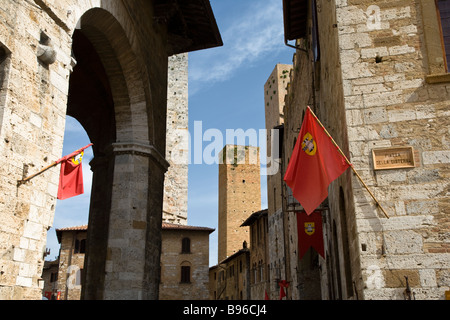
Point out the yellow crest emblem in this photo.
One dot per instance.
(310, 228)
(309, 144)
(78, 158)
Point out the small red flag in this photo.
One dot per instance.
(266, 296)
(314, 164)
(283, 284)
(71, 175)
(310, 234)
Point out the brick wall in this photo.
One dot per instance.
(239, 196)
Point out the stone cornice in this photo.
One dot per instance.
(141, 149)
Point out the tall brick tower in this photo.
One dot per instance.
(239, 196)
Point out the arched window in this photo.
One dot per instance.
(186, 245)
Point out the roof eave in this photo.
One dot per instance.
(295, 13)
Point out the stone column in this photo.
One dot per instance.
(97, 237)
(128, 238)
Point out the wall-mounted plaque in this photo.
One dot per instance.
(393, 158)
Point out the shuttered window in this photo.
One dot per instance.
(443, 7)
(185, 274)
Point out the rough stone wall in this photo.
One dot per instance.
(70, 265)
(177, 153)
(239, 196)
(230, 280)
(33, 104)
(35, 62)
(393, 98)
(259, 259)
(379, 83)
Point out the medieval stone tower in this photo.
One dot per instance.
(176, 178)
(239, 196)
(275, 90)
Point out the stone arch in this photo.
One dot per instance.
(109, 94)
(131, 99)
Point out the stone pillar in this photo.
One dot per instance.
(100, 207)
(123, 260)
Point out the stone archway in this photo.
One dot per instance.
(110, 96)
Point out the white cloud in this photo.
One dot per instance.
(257, 33)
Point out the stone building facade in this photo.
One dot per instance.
(184, 264)
(104, 63)
(229, 280)
(70, 263)
(259, 279)
(375, 74)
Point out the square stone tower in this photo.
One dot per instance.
(275, 90)
(177, 143)
(239, 196)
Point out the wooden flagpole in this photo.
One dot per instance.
(350, 164)
(25, 180)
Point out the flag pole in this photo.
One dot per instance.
(349, 163)
(25, 180)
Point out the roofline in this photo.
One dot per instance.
(172, 226)
(234, 255)
(254, 216)
(165, 226)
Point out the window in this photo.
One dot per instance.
(435, 25)
(186, 245)
(80, 246)
(185, 274)
(53, 276)
(443, 8)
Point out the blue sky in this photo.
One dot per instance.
(226, 91)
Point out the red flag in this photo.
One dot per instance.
(310, 234)
(314, 164)
(71, 175)
(266, 296)
(283, 284)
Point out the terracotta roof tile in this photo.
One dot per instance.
(171, 226)
(78, 228)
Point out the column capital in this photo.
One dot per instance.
(141, 149)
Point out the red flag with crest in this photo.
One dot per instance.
(314, 164)
(310, 234)
(71, 174)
